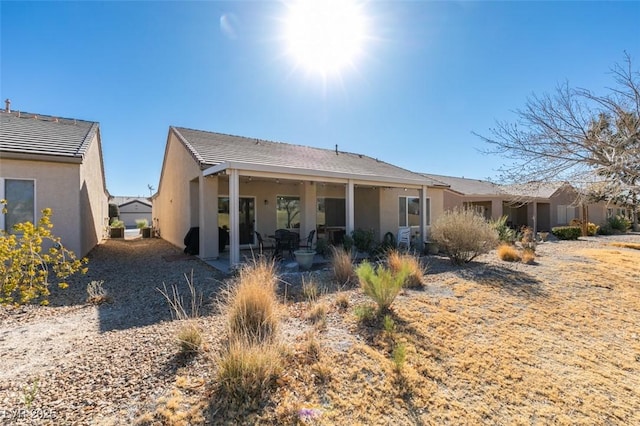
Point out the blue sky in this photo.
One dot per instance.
(431, 73)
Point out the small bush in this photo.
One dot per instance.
(566, 232)
(189, 337)
(528, 256)
(526, 238)
(505, 234)
(381, 284)
(142, 223)
(399, 356)
(117, 223)
(247, 371)
(592, 228)
(363, 239)
(619, 223)
(365, 313)
(97, 295)
(322, 247)
(464, 234)
(25, 266)
(606, 229)
(388, 324)
(342, 266)
(397, 261)
(508, 253)
(253, 308)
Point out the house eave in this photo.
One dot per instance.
(267, 170)
(40, 157)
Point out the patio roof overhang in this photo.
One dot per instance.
(284, 172)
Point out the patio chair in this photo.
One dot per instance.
(404, 237)
(261, 245)
(309, 241)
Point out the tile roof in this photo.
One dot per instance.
(468, 186)
(121, 200)
(535, 189)
(27, 133)
(211, 149)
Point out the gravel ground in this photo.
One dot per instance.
(76, 363)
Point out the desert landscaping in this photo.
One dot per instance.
(554, 341)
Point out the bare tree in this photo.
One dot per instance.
(574, 134)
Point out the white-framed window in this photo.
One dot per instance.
(287, 212)
(409, 211)
(21, 202)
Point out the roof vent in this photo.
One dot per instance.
(336, 149)
(7, 105)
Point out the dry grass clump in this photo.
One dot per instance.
(309, 289)
(189, 337)
(464, 234)
(342, 300)
(252, 304)
(342, 265)
(508, 253)
(635, 246)
(397, 261)
(246, 371)
(528, 256)
(318, 314)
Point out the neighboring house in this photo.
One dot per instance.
(132, 209)
(552, 204)
(54, 162)
(212, 180)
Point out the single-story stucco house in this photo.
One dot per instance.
(213, 180)
(133, 208)
(54, 162)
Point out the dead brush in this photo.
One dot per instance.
(342, 265)
(176, 301)
(402, 261)
(253, 309)
(189, 338)
(97, 295)
(318, 315)
(508, 253)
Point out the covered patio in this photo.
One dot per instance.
(249, 197)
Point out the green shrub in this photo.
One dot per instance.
(142, 223)
(567, 232)
(381, 284)
(592, 228)
(25, 267)
(322, 247)
(117, 223)
(363, 239)
(347, 243)
(365, 313)
(505, 234)
(619, 223)
(606, 229)
(464, 234)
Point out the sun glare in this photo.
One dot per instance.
(325, 36)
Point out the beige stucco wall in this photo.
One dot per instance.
(56, 187)
(93, 200)
(172, 206)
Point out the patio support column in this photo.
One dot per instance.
(234, 217)
(423, 217)
(496, 209)
(350, 210)
(208, 217)
(308, 209)
(535, 220)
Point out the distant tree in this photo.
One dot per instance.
(576, 135)
(114, 211)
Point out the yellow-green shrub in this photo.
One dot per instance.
(381, 284)
(25, 267)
